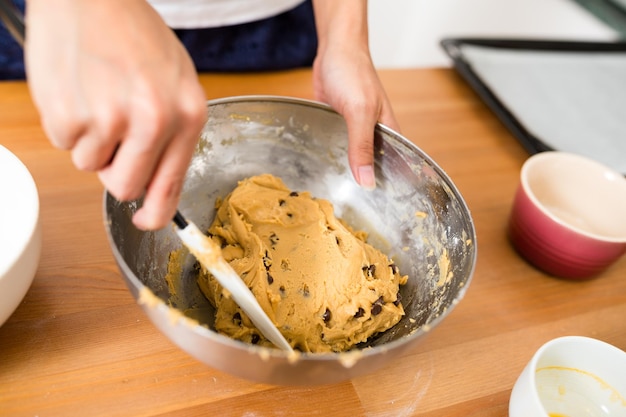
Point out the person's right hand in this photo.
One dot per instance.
(114, 86)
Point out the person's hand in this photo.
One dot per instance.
(114, 86)
(345, 78)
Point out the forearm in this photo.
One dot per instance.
(342, 21)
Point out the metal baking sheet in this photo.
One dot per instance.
(552, 95)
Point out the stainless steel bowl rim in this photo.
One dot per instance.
(204, 331)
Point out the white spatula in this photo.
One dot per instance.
(210, 256)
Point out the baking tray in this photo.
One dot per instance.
(551, 94)
(611, 12)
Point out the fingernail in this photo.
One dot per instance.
(144, 220)
(139, 219)
(366, 177)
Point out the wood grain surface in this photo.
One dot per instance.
(78, 345)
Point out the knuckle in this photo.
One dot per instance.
(153, 122)
(148, 113)
(122, 191)
(109, 123)
(120, 186)
(81, 162)
(192, 107)
(62, 128)
(195, 116)
(169, 190)
(367, 106)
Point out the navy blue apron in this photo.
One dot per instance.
(11, 54)
(288, 40)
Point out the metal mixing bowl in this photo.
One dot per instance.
(415, 215)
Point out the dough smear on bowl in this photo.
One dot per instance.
(317, 279)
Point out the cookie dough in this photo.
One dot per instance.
(320, 282)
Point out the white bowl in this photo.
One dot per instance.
(20, 232)
(572, 376)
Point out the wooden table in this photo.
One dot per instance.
(78, 345)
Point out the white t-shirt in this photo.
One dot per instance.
(193, 14)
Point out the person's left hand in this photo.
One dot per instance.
(345, 78)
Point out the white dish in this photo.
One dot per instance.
(572, 376)
(20, 232)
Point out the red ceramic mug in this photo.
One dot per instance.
(569, 215)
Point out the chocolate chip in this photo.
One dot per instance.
(237, 319)
(270, 279)
(337, 240)
(293, 194)
(281, 202)
(370, 270)
(377, 307)
(274, 239)
(305, 290)
(255, 339)
(326, 316)
(398, 300)
(290, 215)
(267, 261)
(282, 289)
(394, 268)
(359, 313)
